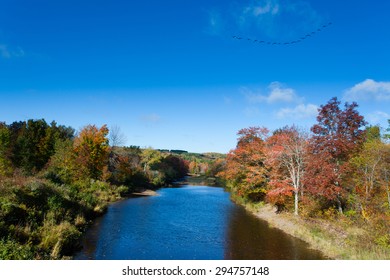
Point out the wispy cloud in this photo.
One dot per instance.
(277, 93)
(260, 8)
(301, 111)
(377, 117)
(266, 19)
(369, 90)
(151, 118)
(216, 24)
(6, 52)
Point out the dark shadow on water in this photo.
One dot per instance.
(249, 238)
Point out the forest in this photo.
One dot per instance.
(54, 181)
(337, 173)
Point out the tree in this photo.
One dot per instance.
(386, 136)
(336, 138)
(385, 170)
(150, 159)
(117, 138)
(286, 158)
(62, 167)
(173, 168)
(91, 150)
(216, 167)
(5, 144)
(33, 143)
(245, 169)
(367, 164)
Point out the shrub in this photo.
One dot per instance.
(12, 250)
(59, 239)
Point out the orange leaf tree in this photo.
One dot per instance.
(245, 171)
(91, 149)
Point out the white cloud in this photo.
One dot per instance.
(151, 118)
(6, 52)
(262, 7)
(216, 23)
(369, 89)
(301, 111)
(377, 117)
(278, 93)
(264, 19)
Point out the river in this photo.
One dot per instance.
(187, 223)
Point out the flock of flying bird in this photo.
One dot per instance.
(307, 36)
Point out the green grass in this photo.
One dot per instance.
(43, 220)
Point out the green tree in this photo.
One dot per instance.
(387, 134)
(33, 143)
(5, 144)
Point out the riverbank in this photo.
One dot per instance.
(145, 193)
(200, 180)
(336, 239)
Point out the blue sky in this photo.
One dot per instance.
(171, 75)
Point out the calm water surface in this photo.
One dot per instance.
(187, 223)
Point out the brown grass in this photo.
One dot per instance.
(336, 239)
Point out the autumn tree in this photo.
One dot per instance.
(286, 159)
(126, 168)
(245, 170)
(5, 144)
(216, 167)
(150, 158)
(368, 162)
(385, 173)
(370, 172)
(386, 136)
(336, 138)
(91, 151)
(116, 137)
(173, 168)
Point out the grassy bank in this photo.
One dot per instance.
(43, 220)
(336, 238)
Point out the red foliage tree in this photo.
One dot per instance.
(336, 138)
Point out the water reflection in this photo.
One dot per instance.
(188, 223)
(249, 238)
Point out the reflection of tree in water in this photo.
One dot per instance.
(249, 238)
(187, 223)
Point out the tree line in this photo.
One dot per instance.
(54, 181)
(340, 168)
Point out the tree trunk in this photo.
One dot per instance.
(387, 187)
(296, 202)
(339, 205)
